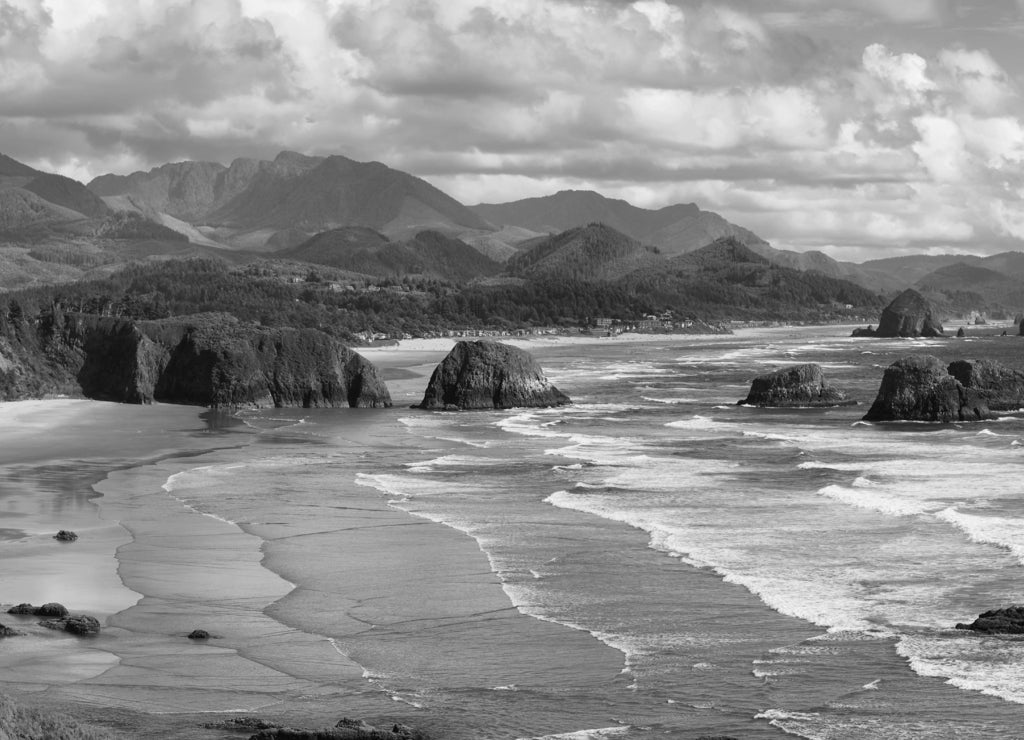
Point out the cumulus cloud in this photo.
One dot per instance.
(792, 117)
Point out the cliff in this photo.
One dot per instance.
(489, 375)
(923, 389)
(209, 360)
(800, 385)
(909, 315)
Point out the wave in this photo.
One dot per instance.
(696, 422)
(1003, 532)
(860, 496)
(584, 734)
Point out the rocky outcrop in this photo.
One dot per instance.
(65, 535)
(199, 635)
(346, 729)
(924, 389)
(52, 609)
(76, 624)
(910, 315)
(1001, 388)
(1006, 621)
(208, 360)
(960, 332)
(6, 631)
(489, 375)
(800, 385)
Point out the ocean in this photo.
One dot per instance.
(652, 561)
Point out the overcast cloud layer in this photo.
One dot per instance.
(866, 128)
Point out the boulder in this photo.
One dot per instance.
(909, 315)
(960, 332)
(1006, 621)
(76, 624)
(921, 388)
(800, 385)
(868, 331)
(1020, 325)
(489, 375)
(65, 535)
(6, 631)
(53, 609)
(199, 635)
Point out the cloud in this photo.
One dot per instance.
(791, 117)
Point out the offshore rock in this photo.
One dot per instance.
(6, 631)
(960, 332)
(1007, 621)
(922, 389)
(199, 635)
(65, 535)
(1001, 388)
(346, 729)
(800, 385)
(489, 375)
(909, 315)
(207, 360)
(53, 609)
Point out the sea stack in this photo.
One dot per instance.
(910, 315)
(488, 375)
(800, 385)
(923, 389)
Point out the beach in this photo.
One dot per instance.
(652, 561)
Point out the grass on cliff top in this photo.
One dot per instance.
(18, 722)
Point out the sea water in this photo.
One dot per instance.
(652, 561)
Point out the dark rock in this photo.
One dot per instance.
(867, 332)
(1001, 388)
(1020, 325)
(199, 635)
(800, 385)
(240, 724)
(1003, 334)
(909, 315)
(209, 360)
(76, 624)
(65, 535)
(489, 375)
(6, 631)
(1007, 621)
(362, 732)
(53, 609)
(922, 389)
(960, 332)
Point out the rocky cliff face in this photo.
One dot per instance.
(924, 389)
(489, 375)
(1001, 388)
(210, 360)
(910, 315)
(800, 385)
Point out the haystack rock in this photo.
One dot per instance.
(489, 375)
(800, 385)
(910, 315)
(922, 389)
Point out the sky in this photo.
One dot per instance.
(863, 128)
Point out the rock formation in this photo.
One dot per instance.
(346, 729)
(208, 360)
(960, 332)
(800, 385)
(6, 631)
(923, 389)
(1007, 621)
(199, 635)
(1001, 388)
(76, 624)
(53, 609)
(65, 535)
(489, 375)
(909, 315)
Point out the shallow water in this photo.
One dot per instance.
(652, 561)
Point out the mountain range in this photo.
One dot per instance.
(367, 218)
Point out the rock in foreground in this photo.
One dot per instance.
(923, 389)
(909, 315)
(1007, 621)
(76, 624)
(800, 385)
(346, 729)
(489, 375)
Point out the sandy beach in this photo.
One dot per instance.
(152, 565)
